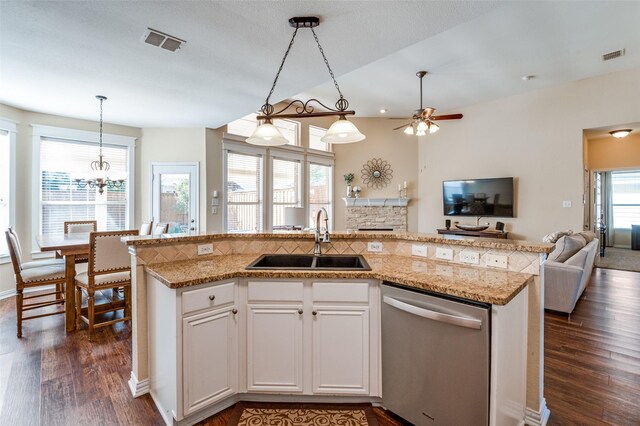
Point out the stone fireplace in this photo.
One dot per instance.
(377, 213)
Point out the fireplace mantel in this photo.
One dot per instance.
(376, 202)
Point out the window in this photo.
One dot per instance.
(315, 133)
(247, 124)
(320, 191)
(7, 180)
(286, 184)
(60, 156)
(626, 198)
(244, 200)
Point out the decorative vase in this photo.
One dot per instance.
(349, 191)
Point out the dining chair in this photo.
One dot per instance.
(146, 228)
(80, 227)
(31, 275)
(161, 228)
(109, 268)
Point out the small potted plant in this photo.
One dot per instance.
(348, 178)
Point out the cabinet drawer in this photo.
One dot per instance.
(278, 291)
(340, 292)
(208, 297)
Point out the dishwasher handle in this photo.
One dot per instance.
(433, 315)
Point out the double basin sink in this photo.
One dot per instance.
(310, 262)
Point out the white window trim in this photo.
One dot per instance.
(38, 133)
(11, 127)
(323, 159)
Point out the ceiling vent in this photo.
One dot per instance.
(163, 40)
(613, 55)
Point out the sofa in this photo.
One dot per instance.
(567, 270)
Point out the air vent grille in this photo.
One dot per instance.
(162, 40)
(613, 55)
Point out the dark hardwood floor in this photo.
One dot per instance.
(592, 366)
(592, 357)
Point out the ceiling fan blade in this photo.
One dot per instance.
(447, 117)
(404, 125)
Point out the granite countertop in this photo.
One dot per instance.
(491, 243)
(480, 284)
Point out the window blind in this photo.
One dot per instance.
(285, 178)
(61, 162)
(626, 198)
(320, 184)
(243, 174)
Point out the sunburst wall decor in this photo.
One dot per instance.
(376, 173)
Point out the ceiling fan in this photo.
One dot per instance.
(423, 118)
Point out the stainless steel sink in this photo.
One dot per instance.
(310, 262)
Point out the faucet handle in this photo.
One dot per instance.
(326, 238)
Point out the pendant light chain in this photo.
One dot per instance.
(275, 81)
(101, 100)
(335, 83)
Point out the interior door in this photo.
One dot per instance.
(174, 196)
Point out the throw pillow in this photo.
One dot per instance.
(555, 236)
(567, 246)
(587, 235)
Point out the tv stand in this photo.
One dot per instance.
(487, 233)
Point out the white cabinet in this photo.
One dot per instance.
(209, 357)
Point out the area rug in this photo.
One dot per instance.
(263, 414)
(619, 258)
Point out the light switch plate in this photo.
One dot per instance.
(471, 257)
(418, 250)
(497, 261)
(205, 249)
(374, 247)
(444, 253)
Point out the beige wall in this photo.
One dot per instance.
(24, 121)
(610, 153)
(169, 145)
(398, 149)
(214, 178)
(535, 137)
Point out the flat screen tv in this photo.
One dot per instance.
(478, 197)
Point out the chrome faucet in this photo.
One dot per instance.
(325, 238)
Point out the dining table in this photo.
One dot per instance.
(70, 246)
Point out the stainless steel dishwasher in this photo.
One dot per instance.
(435, 358)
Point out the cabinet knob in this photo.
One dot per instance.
(234, 311)
(314, 313)
(212, 297)
(300, 311)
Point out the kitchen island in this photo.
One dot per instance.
(165, 268)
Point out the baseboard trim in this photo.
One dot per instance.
(10, 293)
(538, 417)
(138, 387)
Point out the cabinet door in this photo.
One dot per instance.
(209, 357)
(341, 350)
(274, 348)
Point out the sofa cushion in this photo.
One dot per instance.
(587, 235)
(566, 247)
(555, 236)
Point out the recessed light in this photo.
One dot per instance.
(383, 111)
(620, 133)
(528, 77)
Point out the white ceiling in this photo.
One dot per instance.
(55, 56)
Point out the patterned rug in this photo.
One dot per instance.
(268, 414)
(619, 258)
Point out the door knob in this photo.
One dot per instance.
(314, 313)
(300, 311)
(234, 311)
(212, 297)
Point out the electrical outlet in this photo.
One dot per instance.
(205, 249)
(497, 261)
(469, 257)
(566, 203)
(417, 250)
(374, 247)
(444, 253)
(214, 210)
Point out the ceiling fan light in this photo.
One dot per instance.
(267, 134)
(621, 133)
(408, 130)
(433, 127)
(422, 126)
(421, 133)
(342, 131)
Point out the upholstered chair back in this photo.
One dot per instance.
(80, 226)
(161, 228)
(146, 227)
(108, 253)
(15, 251)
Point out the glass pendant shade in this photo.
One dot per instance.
(433, 127)
(421, 133)
(408, 130)
(267, 134)
(342, 131)
(422, 126)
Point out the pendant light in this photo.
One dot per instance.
(342, 131)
